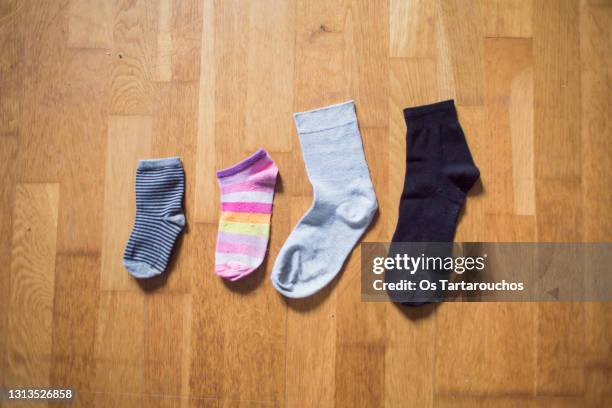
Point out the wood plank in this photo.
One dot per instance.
(11, 70)
(560, 359)
(264, 378)
(129, 139)
(82, 143)
(63, 86)
(596, 63)
(205, 209)
(168, 333)
(360, 341)
(11, 100)
(119, 345)
(444, 57)
(599, 2)
(223, 342)
(363, 363)
(599, 388)
(595, 38)
(117, 400)
(508, 18)
(557, 102)
(496, 353)
(558, 200)
(509, 120)
(510, 228)
(133, 55)
(292, 172)
(8, 149)
(521, 128)
(243, 404)
(44, 52)
(75, 310)
(207, 333)
(412, 29)
(397, 143)
(186, 27)
(269, 76)
(367, 39)
(320, 75)
(162, 67)
(90, 24)
(463, 31)
(509, 402)
(311, 354)
(30, 316)
(413, 83)
(598, 322)
(231, 24)
(411, 336)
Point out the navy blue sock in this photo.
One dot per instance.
(160, 186)
(439, 173)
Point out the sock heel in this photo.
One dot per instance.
(463, 176)
(458, 165)
(358, 210)
(178, 219)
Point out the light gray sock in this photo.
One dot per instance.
(343, 207)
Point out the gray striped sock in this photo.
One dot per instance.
(160, 185)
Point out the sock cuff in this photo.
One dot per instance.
(327, 117)
(258, 161)
(150, 164)
(442, 112)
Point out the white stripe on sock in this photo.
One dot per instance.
(249, 197)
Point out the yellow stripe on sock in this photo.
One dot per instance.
(246, 228)
(253, 218)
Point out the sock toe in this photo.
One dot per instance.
(242, 275)
(233, 271)
(140, 270)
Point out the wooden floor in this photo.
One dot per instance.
(88, 87)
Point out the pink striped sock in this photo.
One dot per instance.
(247, 191)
